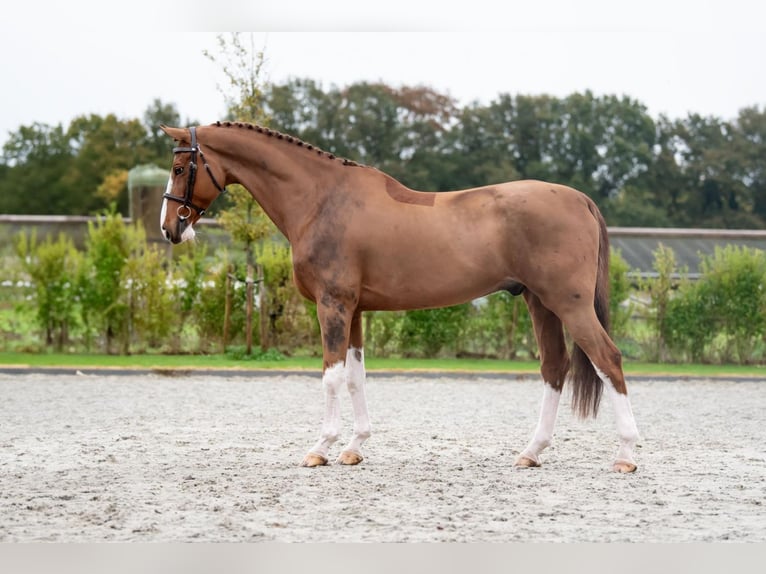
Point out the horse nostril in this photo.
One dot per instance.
(166, 233)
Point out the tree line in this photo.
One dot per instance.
(697, 171)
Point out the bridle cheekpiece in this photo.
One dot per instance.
(185, 209)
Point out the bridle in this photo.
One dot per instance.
(185, 209)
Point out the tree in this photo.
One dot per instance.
(398, 130)
(750, 142)
(35, 161)
(103, 146)
(243, 218)
(716, 185)
(480, 147)
(156, 141)
(78, 170)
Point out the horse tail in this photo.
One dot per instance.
(587, 386)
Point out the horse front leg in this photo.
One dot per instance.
(530, 456)
(335, 324)
(554, 364)
(356, 376)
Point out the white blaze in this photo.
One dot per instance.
(164, 209)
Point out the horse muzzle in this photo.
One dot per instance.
(183, 232)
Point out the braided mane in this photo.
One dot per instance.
(288, 138)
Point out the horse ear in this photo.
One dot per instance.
(175, 133)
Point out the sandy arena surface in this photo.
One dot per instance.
(208, 458)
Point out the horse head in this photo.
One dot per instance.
(191, 195)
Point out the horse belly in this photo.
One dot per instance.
(435, 280)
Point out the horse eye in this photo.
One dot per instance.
(179, 170)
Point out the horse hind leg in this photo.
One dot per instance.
(606, 361)
(554, 364)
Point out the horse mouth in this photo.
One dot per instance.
(174, 239)
(187, 233)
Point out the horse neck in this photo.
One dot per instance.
(286, 180)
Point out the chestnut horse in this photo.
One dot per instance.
(363, 241)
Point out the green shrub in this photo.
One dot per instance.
(687, 328)
(209, 311)
(660, 290)
(381, 332)
(52, 266)
(620, 309)
(500, 326)
(291, 323)
(732, 285)
(150, 303)
(426, 332)
(723, 312)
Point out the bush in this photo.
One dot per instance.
(101, 282)
(291, 322)
(52, 267)
(732, 285)
(728, 302)
(209, 310)
(381, 332)
(660, 291)
(500, 326)
(620, 309)
(426, 332)
(125, 295)
(151, 305)
(687, 328)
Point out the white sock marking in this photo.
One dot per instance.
(356, 376)
(332, 380)
(626, 422)
(544, 431)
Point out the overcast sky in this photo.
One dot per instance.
(706, 57)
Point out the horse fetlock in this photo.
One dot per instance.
(630, 439)
(329, 438)
(543, 442)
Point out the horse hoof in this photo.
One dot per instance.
(349, 457)
(526, 462)
(311, 460)
(624, 467)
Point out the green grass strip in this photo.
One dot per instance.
(151, 361)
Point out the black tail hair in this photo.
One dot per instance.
(587, 386)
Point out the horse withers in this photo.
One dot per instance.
(363, 241)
